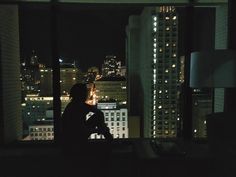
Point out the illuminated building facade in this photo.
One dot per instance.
(91, 75)
(41, 130)
(30, 75)
(111, 88)
(202, 106)
(69, 76)
(35, 108)
(154, 36)
(116, 118)
(111, 67)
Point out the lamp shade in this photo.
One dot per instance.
(215, 69)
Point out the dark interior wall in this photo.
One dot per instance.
(202, 26)
(10, 100)
(204, 29)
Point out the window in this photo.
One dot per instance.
(35, 67)
(164, 55)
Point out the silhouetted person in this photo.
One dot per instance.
(79, 121)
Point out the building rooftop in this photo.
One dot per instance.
(43, 122)
(112, 79)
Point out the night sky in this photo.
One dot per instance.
(85, 33)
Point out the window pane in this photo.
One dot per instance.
(92, 45)
(36, 71)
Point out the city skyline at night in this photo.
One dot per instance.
(85, 34)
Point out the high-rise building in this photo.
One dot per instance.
(201, 106)
(152, 43)
(91, 75)
(116, 118)
(69, 76)
(111, 88)
(30, 75)
(111, 66)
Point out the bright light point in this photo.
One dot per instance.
(155, 18)
(155, 29)
(166, 70)
(174, 18)
(204, 122)
(60, 81)
(160, 91)
(173, 66)
(155, 23)
(74, 78)
(195, 131)
(167, 44)
(60, 60)
(159, 107)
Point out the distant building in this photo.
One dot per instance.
(202, 106)
(111, 67)
(108, 88)
(30, 75)
(152, 63)
(41, 130)
(69, 76)
(122, 71)
(91, 75)
(116, 119)
(36, 108)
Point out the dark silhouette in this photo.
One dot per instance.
(79, 121)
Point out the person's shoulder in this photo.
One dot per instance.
(92, 107)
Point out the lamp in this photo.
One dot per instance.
(216, 69)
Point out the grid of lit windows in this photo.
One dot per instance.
(165, 75)
(116, 119)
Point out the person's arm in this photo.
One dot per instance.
(102, 127)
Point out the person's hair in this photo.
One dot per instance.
(79, 92)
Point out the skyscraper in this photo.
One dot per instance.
(111, 88)
(30, 75)
(152, 41)
(69, 76)
(111, 66)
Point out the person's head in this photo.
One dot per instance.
(78, 92)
